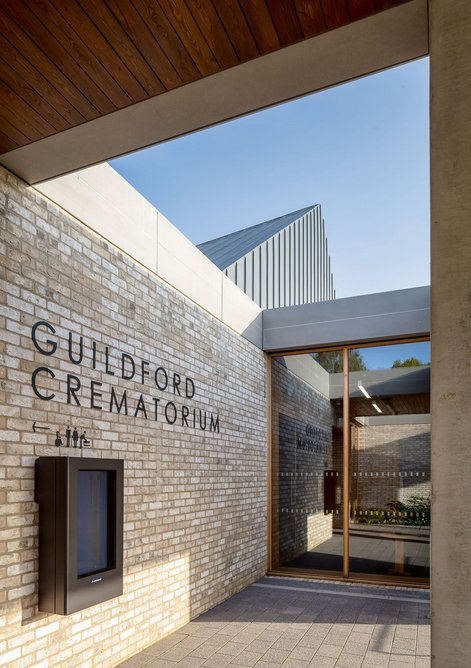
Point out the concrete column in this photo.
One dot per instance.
(450, 53)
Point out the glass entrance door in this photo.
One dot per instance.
(307, 464)
(380, 466)
(390, 458)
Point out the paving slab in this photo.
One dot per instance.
(296, 623)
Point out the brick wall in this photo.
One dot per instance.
(302, 421)
(390, 463)
(194, 455)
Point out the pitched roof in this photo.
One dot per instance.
(225, 250)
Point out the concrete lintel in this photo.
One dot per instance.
(398, 314)
(385, 39)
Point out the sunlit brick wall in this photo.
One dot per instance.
(195, 480)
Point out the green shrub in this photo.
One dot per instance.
(416, 512)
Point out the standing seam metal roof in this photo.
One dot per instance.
(226, 250)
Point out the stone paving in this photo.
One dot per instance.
(287, 623)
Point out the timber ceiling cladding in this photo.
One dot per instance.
(65, 62)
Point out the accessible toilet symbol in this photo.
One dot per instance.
(84, 441)
(71, 437)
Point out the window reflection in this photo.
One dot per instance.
(389, 481)
(390, 454)
(307, 462)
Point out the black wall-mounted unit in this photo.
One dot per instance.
(330, 488)
(80, 532)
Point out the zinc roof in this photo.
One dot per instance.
(226, 250)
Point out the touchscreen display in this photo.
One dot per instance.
(95, 521)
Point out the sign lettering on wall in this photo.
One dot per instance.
(313, 439)
(73, 388)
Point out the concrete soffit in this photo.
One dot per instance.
(388, 38)
(383, 316)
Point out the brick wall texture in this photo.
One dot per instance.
(194, 452)
(390, 463)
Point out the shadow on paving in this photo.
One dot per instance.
(333, 561)
(281, 622)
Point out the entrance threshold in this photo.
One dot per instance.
(354, 578)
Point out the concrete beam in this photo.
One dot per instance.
(383, 316)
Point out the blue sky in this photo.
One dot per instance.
(382, 357)
(361, 150)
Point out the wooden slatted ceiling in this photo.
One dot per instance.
(65, 62)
